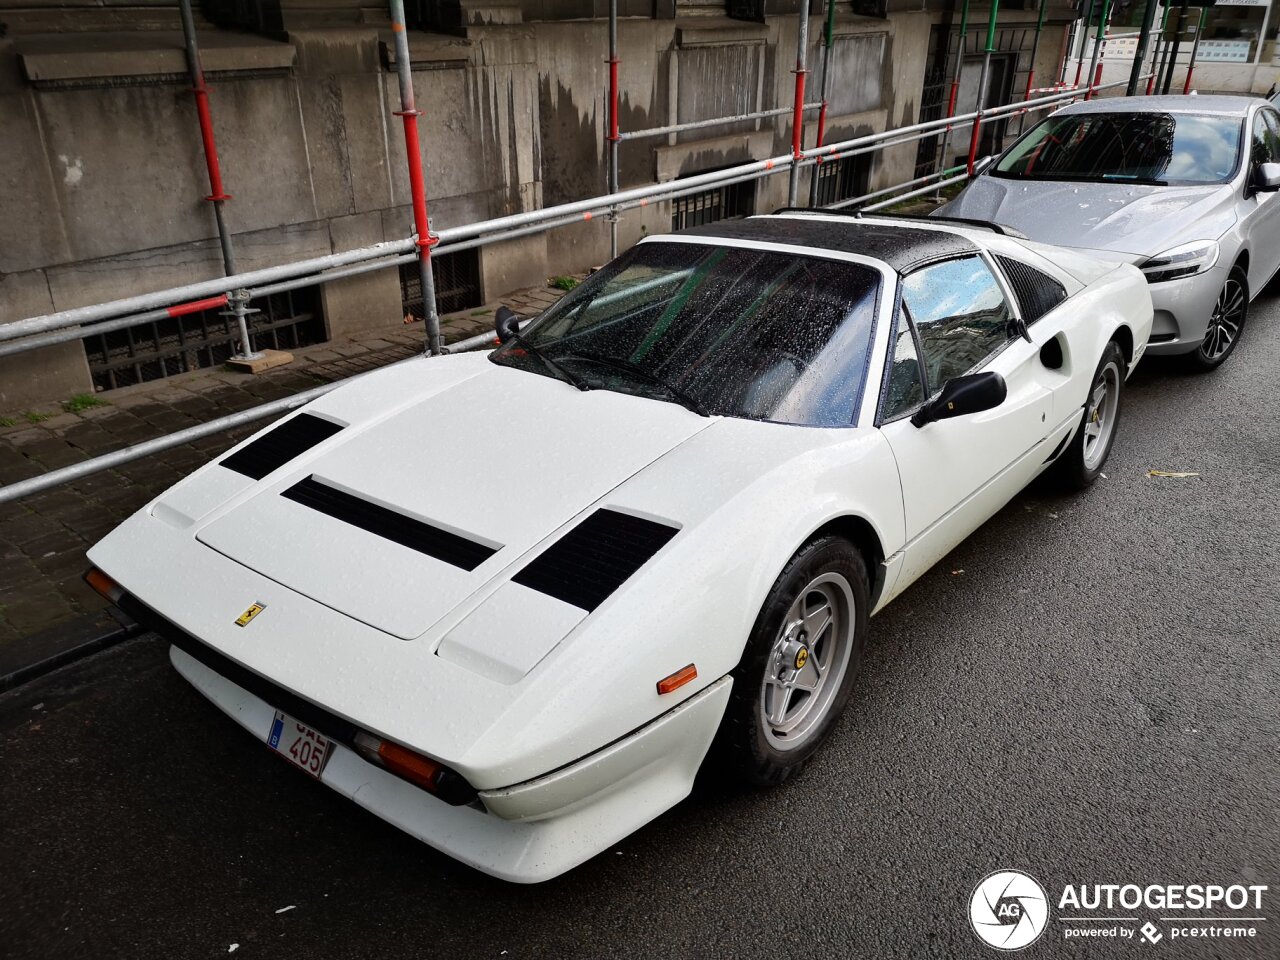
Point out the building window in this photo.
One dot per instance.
(457, 279)
(843, 179)
(722, 203)
(165, 348)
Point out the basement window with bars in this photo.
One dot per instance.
(843, 179)
(457, 279)
(722, 203)
(165, 348)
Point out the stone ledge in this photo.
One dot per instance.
(719, 31)
(60, 57)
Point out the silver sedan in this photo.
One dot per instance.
(1182, 187)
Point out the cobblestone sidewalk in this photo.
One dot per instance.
(43, 538)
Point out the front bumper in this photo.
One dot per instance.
(532, 831)
(1182, 311)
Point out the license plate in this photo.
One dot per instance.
(299, 744)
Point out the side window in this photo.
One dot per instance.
(906, 387)
(1265, 146)
(960, 315)
(1272, 120)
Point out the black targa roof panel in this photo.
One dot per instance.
(902, 248)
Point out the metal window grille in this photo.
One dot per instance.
(457, 278)
(933, 96)
(165, 348)
(843, 179)
(721, 203)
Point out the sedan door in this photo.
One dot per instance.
(1262, 208)
(955, 473)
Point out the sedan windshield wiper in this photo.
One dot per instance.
(570, 378)
(684, 399)
(1141, 181)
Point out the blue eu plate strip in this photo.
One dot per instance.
(277, 727)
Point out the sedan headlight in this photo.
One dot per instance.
(1185, 260)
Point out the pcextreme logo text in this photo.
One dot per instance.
(1010, 910)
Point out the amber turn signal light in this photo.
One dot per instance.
(677, 679)
(108, 588)
(421, 771)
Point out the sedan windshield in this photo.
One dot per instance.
(1149, 148)
(724, 330)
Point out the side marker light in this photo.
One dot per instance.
(677, 679)
(104, 585)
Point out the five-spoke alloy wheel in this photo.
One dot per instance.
(808, 660)
(800, 662)
(1082, 461)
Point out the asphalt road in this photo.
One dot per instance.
(1087, 690)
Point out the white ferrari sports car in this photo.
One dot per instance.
(506, 601)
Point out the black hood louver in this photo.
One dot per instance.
(279, 445)
(596, 557)
(390, 525)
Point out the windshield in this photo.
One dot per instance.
(1154, 148)
(724, 330)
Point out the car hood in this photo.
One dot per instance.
(500, 676)
(498, 459)
(1115, 217)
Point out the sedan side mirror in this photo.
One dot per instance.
(505, 324)
(963, 395)
(1266, 177)
(983, 164)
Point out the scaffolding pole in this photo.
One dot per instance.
(1144, 40)
(1195, 48)
(1161, 52)
(1173, 49)
(1084, 38)
(409, 113)
(955, 79)
(239, 303)
(613, 136)
(1070, 41)
(797, 114)
(825, 85)
(1095, 67)
(983, 78)
(1031, 66)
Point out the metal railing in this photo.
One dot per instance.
(66, 325)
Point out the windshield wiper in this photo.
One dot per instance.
(569, 378)
(1140, 181)
(684, 399)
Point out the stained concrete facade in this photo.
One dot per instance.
(102, 178)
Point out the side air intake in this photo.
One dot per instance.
(277, 447)
(596, 557)
(390, 525)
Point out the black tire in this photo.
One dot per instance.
(1227, 321)
(746, 745)
(1077, 468)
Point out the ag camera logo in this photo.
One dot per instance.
(1009, 910)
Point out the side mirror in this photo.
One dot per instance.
(982, 164)
(505, 323)
(961, 396)
(1266, 177)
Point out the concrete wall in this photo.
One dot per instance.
(102, 176)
